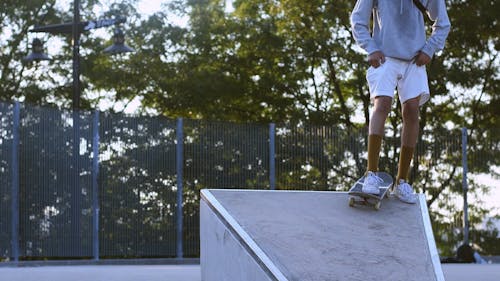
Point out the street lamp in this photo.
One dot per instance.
(76, 28)
(119, 45)
(37, 53)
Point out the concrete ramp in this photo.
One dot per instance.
(249, 235)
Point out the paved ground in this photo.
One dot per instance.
(471, 272)
(452, 272)
(102, 273)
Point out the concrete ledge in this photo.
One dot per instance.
(227, 252)
(313, 236)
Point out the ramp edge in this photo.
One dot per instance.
(245, 240)
(431, 243)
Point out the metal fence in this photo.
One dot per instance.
(128, 187)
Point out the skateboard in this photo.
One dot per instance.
(357, 197)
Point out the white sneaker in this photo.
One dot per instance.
(371, 183)
(404, 192)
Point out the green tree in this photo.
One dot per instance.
(17, 79)
(291, 62)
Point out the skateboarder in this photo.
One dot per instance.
(398, 51)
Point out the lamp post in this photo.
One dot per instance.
(76, 55)
(75, 28)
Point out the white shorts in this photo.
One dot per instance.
(409, 79)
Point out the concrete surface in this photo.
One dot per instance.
(222, 255)
(102, 273)
(316, 236)
(471, 272)
(452, 272)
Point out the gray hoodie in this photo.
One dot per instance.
(399, 28)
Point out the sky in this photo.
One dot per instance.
(149, 7)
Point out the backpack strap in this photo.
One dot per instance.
(420, 6)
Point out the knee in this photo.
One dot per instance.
(411, 111)
(382, 106)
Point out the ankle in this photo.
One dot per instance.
(399, 179)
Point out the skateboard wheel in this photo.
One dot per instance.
(377, 206)
(351, 202)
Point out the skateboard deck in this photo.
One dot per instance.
(358, 197)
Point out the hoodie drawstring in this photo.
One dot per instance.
(401, 9)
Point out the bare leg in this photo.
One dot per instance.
(382, 107)
(410, 112)
(409, 136)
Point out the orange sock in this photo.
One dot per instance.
(405, 157)
(374, 146)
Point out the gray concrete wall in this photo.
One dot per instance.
(224, 256)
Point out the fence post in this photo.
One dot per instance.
(76, 198)
(464, 185)
(15, 184)
(272, 156)
(95, 187)
(180, 167)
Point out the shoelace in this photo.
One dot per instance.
(374, 179)
(405, 189)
